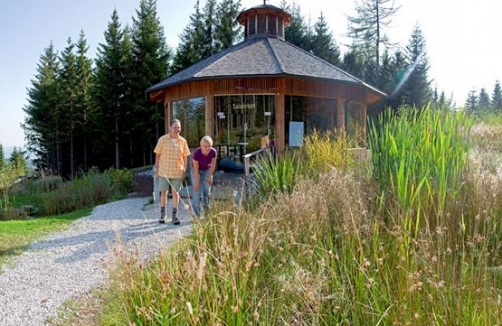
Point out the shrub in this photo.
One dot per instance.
(122, 179)
(326, 150)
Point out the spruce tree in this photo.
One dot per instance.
(471, 104)
(83, 101)
(440, 101)
(496, 103)
(150, 62)
(417, 89)
(207, 48)
(68, 79)
(444, 103)
(352, 63)
(18, 161)
(2, 157)
(483, 101)
(42, 123)
(111, 94)
(296, 32)
(227, 28)
(186, 52)
(324, 45)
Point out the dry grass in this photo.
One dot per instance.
(336, 250)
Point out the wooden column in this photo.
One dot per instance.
(168, 114)
(364, 111)
(279, 116)
(210, 115)
(334, 110)
(340, 114)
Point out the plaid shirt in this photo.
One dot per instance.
(172, 152)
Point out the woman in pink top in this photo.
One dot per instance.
(203, 167)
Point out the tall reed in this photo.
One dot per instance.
(420, 156)
(345, 249)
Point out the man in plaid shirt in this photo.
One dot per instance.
(171, 155)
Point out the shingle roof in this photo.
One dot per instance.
(265, 57)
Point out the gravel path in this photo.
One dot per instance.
(67, 264)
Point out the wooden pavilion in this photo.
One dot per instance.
(267, 84)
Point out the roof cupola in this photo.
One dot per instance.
(264, 21)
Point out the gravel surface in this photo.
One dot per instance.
(67, 264)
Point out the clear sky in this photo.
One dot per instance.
(463, 40)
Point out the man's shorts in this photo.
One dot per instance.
(166, 183)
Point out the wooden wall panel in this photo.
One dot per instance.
(265, 85)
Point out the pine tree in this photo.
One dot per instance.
(227, 28)
(324, 45)
(42, 123)
(496, 103)
(207, 48)
(296, 32)
(150, 57)
(483, 101)
(417, 89)
(2, 157)
(440, 102)
(471, 104)
(83, 99)
(68, 80)
(111, 94)
(352, 63)
(366, 29)
(394, 77)
(186, 53)
(18, 161)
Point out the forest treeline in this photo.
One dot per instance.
(84, 112)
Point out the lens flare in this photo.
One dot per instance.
(406, 75)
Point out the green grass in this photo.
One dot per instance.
(16, 236)
(416, 240)
(410, 242)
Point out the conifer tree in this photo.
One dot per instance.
(2, 157)
(83, 99)
(483, 101)
(227, 28)
(207, 48)
(324, 45)
(417, 89)
(296, 32)
(150, 62)
(18, 161)
(42, 124)
(394, 76)
(440, 101)
(352, 63)
(496, 103)
(471, 104)
(367, 27)
(186, 52)
(68, 80)
(111, 94)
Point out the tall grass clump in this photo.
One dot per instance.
(326, 150)
(215, 277)
(321, 152)
(420, 156)
(421, 161)
(277, 175)
(90, 189)
(343, 248)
